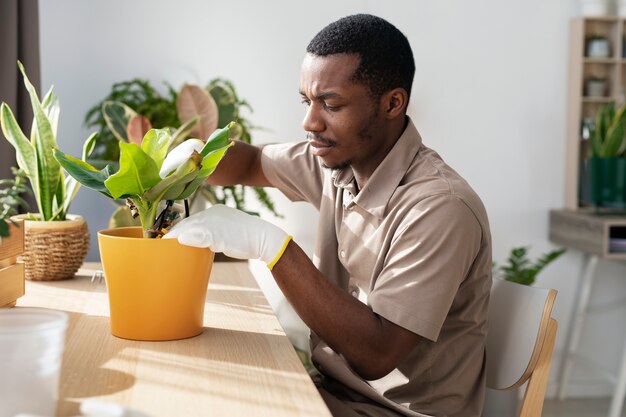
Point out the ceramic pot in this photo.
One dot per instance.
(598, 48)
(157, 287)
(595, 88)
(607, 182)
(54, 250)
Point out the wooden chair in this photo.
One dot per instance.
(520, 341)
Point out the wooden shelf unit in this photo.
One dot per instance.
(580, 106)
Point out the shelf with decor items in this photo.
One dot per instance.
(593, 219)
(597, 77)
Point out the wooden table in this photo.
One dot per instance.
(241, 365)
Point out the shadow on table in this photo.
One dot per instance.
(84, 373)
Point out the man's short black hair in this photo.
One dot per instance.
(386, 56)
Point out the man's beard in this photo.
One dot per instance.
(364, 135)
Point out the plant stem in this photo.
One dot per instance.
(147, 215)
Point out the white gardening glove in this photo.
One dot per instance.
(233, 232)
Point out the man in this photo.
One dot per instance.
(396, 296)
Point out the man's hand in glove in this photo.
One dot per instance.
(233, 232)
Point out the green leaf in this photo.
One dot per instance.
(89, 145)
(155, 144)
(84, 173)
(217, 140)
(51, 108)
(185, 172)
(138, 172)
(209, 163)
(117, 115)
(175, 190)
(226, 101)
(48, 169)
(189, 189)
(23, 149)
(614, 140)
(521, 270)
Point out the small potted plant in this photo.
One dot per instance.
(157, 287)
(606, 164)
(56, 242)
(522, 270)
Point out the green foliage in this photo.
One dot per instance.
(52, 191)
(11, 199)
(138, 97)
(522, 270)
(138, 179)
(607, 138)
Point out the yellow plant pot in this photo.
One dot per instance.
(157, 287)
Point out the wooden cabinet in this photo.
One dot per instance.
(587, 66)
(11, 271)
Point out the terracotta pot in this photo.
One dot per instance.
(54, 250)
(157, 287)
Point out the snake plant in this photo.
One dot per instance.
(52, 190)
(607, 138)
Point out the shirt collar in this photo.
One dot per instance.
(385, 179)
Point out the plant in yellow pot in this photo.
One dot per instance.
(156, 287)
(55, 243)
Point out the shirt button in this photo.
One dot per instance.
(342, 253)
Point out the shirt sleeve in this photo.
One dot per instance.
(294, 171)
(431, 253)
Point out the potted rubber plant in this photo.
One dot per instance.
(606, 164)
(156, 287)
(133, 107)
(56, 242)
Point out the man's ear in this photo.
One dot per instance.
(394, 103)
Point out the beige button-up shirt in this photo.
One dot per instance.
(413, 244)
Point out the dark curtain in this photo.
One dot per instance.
(19, 40)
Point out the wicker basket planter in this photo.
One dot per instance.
(11, 271)
(54, 250)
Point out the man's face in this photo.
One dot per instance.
(342, 119)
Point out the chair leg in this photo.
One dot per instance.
(532, 404)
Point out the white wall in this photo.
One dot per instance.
(489, 95)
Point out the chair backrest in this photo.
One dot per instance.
(520, 341)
